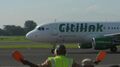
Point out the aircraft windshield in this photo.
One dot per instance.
(41, 28)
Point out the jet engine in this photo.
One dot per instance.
(101, 43)
(105, 43)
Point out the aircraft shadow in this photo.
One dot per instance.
(113, 53)
(92, 52)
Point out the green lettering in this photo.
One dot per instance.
(91, 28)
(72, 28)
(68, 27)
(99, 28)
(77, 27)
(62, 27)
(83, 27)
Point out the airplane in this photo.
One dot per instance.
(97, 35)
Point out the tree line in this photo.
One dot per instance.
(13, 30)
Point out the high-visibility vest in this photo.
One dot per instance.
(60, 61)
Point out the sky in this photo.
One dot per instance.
(16, 12)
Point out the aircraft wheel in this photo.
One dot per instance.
(53, 48)
(113, 49)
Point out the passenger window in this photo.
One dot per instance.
(114, 27)
(108, 27)
(117, 27)
(47, 28)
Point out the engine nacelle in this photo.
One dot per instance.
(102, 43)
(85, 46)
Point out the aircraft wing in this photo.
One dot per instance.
(113, 35)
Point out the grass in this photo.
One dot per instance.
(13, 39)
(25, 46)
(10, 39)
(16, 39)
(34, 46)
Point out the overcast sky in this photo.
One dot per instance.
(16, 12)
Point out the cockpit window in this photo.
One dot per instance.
(41, 28)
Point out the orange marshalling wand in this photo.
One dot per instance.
(17, 55)
(101, 56)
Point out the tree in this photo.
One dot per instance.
(2, 32)
(29, 25)
(13, 30)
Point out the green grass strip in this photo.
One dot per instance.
(33, 46)
(13, 39)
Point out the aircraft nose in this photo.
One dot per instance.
(29, 35)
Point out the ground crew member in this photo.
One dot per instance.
(59, 60)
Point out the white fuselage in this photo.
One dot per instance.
(74, 32)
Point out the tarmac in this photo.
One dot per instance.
(37, 56)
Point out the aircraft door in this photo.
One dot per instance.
(54, 33)
(58, 38)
